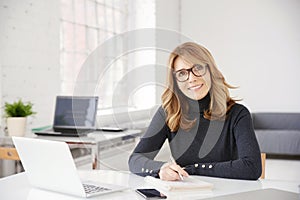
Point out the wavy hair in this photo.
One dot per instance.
(174, 101)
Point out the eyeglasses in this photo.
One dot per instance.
(184, 74)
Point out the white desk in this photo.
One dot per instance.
(96, 141)
(16, 187)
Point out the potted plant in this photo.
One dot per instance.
(16, 114)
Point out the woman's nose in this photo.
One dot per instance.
(192, 77)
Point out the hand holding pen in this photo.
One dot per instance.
(174, 162)
(172, 171)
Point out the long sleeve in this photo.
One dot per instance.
(235, 154)
(141, 160)
(247, 165)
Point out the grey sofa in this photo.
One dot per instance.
(278, 133)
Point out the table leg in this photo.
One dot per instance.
(95, 156)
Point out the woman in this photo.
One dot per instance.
(208, 132)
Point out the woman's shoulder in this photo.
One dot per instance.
(237, 113)
(159, 111)
(239, 109)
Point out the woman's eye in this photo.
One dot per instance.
(198, 67)
(182, 73)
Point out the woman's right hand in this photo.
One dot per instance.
(170, 172)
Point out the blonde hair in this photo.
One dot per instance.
(173, 100)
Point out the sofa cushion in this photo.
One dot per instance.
(280, 121)
(279, 141)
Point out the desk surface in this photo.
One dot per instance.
(94, 137)
(97, 141)
(17, 187)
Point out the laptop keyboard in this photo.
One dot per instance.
(90, 189)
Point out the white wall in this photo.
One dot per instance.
(256, 45)
(167, 18)
(29, 55)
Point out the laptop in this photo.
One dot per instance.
(269, 193)
(73, 116)
(49, 165)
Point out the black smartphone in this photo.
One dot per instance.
(151, 194)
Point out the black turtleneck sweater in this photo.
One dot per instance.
(221, 148)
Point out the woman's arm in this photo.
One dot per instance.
(141, 160)
(248, 163)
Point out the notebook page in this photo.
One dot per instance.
(189, 183)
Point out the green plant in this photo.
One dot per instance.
(18, 109)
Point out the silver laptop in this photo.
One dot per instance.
(73, 116)
(49, 165)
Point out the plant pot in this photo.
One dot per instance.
(16, 126)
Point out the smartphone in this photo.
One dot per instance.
(151, 194)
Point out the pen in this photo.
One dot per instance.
(173, 161)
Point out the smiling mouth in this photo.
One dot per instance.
(195, 87)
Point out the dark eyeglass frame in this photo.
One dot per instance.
(189, 71)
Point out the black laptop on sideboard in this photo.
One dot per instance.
(74, 116)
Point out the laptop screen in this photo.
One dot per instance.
(76, 112)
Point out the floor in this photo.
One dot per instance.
(279, 169)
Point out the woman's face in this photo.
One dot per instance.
(194, 87)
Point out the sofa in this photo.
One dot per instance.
(278, 133)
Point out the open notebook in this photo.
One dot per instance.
(188, 184)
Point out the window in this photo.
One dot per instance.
(87, 23)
